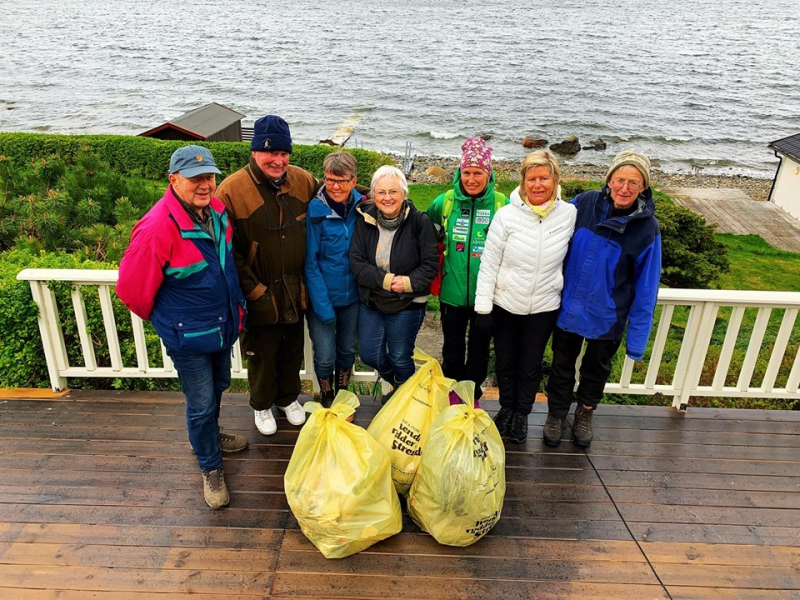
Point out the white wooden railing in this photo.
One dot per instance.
(702, 311)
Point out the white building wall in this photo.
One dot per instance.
(786, 191)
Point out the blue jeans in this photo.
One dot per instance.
(203, 378)
(386, 341)
(334, 343)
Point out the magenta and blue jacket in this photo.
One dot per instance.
(182, 279)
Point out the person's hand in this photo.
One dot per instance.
(398, 285)
(484, 324)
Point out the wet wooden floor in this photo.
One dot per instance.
(101, 498)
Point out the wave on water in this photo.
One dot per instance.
(442, 135)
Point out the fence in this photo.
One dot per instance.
(693, 320)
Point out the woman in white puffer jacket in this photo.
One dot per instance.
(519, 285)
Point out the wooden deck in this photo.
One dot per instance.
(734, 212)
(100, 498)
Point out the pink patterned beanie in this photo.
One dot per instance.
(475, 153)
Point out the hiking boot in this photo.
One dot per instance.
(294, 413)
(230, 442)
(551, 433)
(582, 426)
(265, 421)
(518, 431)
(215, 491)
(326, 390)
(503, 421)
(343, 378)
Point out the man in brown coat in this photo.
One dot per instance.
(267, 202)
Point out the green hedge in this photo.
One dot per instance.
(149, 158)
(22, 360)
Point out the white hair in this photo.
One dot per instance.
(387, 171)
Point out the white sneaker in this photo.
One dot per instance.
(265, 421)
(294, 413)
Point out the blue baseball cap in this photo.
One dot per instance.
(191, 161)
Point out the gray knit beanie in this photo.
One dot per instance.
(635, 159)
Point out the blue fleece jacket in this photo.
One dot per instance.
(612, 271)
(327, 267)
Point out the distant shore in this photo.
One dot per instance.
(756, 188)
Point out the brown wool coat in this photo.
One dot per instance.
(269, 244)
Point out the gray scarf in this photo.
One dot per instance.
(391, 224)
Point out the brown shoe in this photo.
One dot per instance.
(551, 432)
(215, 491)
(326, 392)
(343, 378)
(582, 432)
(231, 442)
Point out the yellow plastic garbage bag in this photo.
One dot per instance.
(403, 422)
(339, 482)
(457, 495)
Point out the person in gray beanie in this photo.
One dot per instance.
(611, 278)
(267, 201)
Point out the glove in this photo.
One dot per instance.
(484, 324)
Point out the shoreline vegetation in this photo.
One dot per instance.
(756, 188)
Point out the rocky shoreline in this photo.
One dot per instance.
(756, 188)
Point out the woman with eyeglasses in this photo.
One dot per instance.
(611, 278)
(394, 258)
(333, 315)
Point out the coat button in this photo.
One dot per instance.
(180, 324)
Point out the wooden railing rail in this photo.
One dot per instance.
(708, 315)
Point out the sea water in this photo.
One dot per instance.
(695, 84)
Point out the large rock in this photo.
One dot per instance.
(597, 144)
(530, 142)
(437, 175)
(569, 146)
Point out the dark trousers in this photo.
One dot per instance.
(455, 320)
(274, 354)
(519, 343)
(595, 369)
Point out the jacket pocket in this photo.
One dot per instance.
(200, 341)
(263, 310)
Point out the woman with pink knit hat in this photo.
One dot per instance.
(462, 217)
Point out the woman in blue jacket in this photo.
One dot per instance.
(333, 318)
(611, 278)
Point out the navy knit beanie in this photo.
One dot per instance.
(271, 134)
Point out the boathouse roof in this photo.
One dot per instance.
(212, 122)
(790, 146)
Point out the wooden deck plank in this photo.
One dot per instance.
(96, 578)
(388, 587)
(140, 557)
(142, 535)
(713, 533)
(62, 594)
(704, 593)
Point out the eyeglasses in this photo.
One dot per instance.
(329, 181)
(632, 185)
(388, 193)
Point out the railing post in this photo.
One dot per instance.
(55, 351)
(697, 354)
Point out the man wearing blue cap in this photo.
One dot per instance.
(267, 200)
(179, 273)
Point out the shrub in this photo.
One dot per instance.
(692, 255)
(149, 157)
(85, 207)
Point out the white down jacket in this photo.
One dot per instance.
(521, 266)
